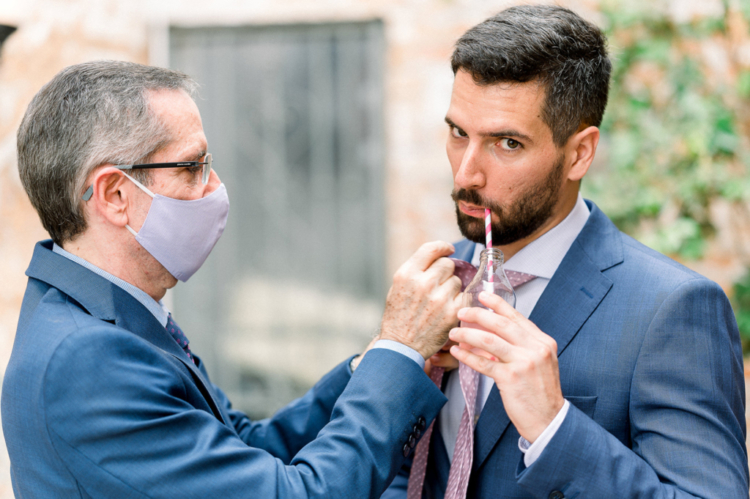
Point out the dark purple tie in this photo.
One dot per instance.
(179, 337)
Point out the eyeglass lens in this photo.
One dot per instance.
(207, 168)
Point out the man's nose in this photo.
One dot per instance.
(470, 174)
(213, 183)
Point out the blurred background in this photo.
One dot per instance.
(325, 120)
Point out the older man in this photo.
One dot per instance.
(619, 375)
(103, 396)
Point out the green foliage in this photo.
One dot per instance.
(741, 305)
(673, 138)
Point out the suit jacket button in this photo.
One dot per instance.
(406, 449)
(421, 423)
(556, 494)
(412, 440)
(416, 431)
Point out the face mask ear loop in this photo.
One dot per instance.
(144, 189)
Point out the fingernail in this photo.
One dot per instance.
(452, 333)
(484, 294)
(462, 312)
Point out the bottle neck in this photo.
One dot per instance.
(491, 254)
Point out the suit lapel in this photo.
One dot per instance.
(110, 303)
(132, 316)
(464, 250)
(572, 295)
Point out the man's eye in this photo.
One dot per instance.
(457, 132)
(194, 170)
(510, 144)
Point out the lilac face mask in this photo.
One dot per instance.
(180, 234)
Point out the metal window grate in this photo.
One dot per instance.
(293, 116)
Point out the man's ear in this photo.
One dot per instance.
(110, 199)
(583, 145)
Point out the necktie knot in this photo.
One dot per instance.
(466, 272)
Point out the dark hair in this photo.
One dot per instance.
(548, 44)
(88, 115)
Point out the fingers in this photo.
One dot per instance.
(444, 359)
(476, 362)
(422, 304)
(482, 343)
(441, 269)
(452, 289)
(506, 321)
(428, 253)
(499, 305)
(500, 325)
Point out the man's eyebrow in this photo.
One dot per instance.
(509, 133)
(450, 122)
(197, 156)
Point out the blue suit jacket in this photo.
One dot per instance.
(99, 401)
(650, 359)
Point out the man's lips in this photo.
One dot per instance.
(471, 209)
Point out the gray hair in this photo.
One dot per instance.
(88, 115)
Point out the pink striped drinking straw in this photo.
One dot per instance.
(488, 234)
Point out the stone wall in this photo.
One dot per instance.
(53, 34)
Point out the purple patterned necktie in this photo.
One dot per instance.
(463, 454)
(518, 278)
(179, 337)
(419, 465)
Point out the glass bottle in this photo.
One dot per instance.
(490, 278)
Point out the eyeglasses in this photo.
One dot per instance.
(206, 172)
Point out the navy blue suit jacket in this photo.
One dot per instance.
(650, 359)
(99, 401)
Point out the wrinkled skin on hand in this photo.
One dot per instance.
(466, 272)
(422, 305)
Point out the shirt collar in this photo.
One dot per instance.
(158, 309)
(542, 256)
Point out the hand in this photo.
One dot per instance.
(442, 358)
(422, 304)
(518, 356)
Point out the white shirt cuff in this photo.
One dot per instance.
(402, 349)
(531, 452)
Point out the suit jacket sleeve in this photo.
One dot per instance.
(687, 414)
(295, 425)
(117, 415)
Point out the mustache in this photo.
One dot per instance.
(473, 197)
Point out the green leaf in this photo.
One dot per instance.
(743, 84)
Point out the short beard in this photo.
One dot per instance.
(514, 222)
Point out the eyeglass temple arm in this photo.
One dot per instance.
(146, 166)
(90, 191)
